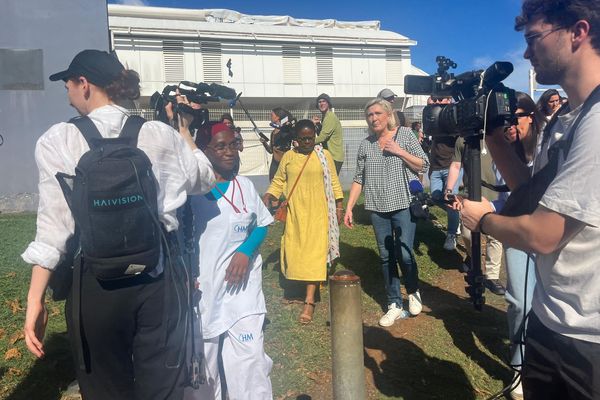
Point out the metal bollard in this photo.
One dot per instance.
(347, 337)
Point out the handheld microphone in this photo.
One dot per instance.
(415, 187)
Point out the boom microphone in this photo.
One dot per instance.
(221, 91)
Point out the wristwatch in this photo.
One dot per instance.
(448, 191)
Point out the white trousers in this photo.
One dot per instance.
(246, 365)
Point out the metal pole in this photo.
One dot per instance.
(347, 337)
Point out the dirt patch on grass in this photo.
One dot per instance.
(423, 357)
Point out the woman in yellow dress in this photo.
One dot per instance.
(311, 237)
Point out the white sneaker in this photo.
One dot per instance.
(394, 312)
(450, 242)
(415, 305)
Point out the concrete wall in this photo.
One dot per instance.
(57, 29)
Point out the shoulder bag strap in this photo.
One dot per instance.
(592, 99)
(131, 129)
(565, 145)
(298, 178)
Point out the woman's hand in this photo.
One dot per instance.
(348, 219)
(185, 119)
(392, 147)
(36, 318)
(236, 274)
(270, 201)
(169, 111)
(340, 216)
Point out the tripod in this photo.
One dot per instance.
(474, 277)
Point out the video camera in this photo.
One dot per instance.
(199, 93)
(283, 140)
(481, 101)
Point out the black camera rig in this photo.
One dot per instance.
(481, 103)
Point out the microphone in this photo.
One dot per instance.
(415, 187)
(496, 73)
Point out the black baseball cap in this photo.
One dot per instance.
(97, 66)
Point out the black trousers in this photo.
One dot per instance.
(559, 367)
(123, 337)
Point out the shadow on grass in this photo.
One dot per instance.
(430, 235)
(360, 215)
(467, 327)
(364, 262)
(272, 260)
(407, 372)
(57, 364)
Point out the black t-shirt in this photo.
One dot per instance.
(442, 152)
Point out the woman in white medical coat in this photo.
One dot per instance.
(230, 223)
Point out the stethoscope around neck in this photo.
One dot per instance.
(230, 201)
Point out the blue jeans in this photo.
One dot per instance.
(437, 185)
(518, 305)
(395, 234)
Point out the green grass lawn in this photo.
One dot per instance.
(449, 352)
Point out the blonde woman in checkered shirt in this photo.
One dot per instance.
(387, 160)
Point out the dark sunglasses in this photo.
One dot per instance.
(523, 114)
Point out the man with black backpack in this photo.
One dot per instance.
(116, 181)
(556, 212)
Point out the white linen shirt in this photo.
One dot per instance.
(179, 171)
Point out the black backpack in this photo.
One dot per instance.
(113, 198)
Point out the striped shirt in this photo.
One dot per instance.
(384, 176)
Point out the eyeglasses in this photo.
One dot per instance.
(533, 37)
(221, 148)
(306, 139)
(523, 114)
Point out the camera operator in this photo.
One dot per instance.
(122, 323)
(563, 334)
(281, 137)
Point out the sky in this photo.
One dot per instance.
(473, 33)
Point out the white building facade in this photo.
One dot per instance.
(275, 61)
(275, 57)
